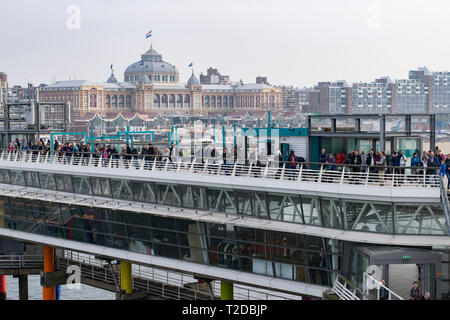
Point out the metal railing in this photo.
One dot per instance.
(445, 202)
(14, 261)
(346, 290)
(187, 287)
(372, 283)
(386, 176)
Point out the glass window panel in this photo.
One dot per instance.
(244, 202)
(32, 179)
(419, 219)
(59, 180)
(17, 177)
(96, 186)
(81, 185)
(144, 191)
(193, 197)
(221, 200)
(121, 189)
(331, 213)
(311, 210)
(169, 194)
(367, 217)
(259, 204)
(47, 181)
(4, 176)
(106, 187)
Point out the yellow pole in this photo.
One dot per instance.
(125, 277)
(226, 290)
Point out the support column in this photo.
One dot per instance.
(23, 287)
(126, 282)
(226, 290)
(2, 287)
(49, 293)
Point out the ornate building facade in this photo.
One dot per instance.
(152, 85)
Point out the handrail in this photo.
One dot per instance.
(343, 292)
(378, 284)
(307, 171)
(445, 203)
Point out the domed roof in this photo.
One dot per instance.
(193, 81)
(150, 62)
(112, 79)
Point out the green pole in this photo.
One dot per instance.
(128, 134)
(92, 139)
(234, 128)
(223, 136)
(214, 136)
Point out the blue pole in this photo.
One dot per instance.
(58, 292)
(92, 139)
(214, 137)
(176, 136)
(234, 128)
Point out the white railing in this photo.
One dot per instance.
(370, 282)
(345, 290)
(303, 172)
(179, 279)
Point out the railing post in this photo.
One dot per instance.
(205, 166)
(300, 173)
(234, 170)
(179, 166)
(320, 173)
(90, 160)
(192, 165)
(154, 165)
(367, 176)
(250, 168)
(266, 169)
(342, 175)
(282, 171)
(167, 164)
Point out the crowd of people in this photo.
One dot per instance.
(430, 163)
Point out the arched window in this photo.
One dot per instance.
(258, 102)
(121, 100)
(187, 101)
(231, 101)
(172, 101)
(252, 101)
(179, 101)
(128, 101)
(207, 102)
(213, 101)
(114, 101)
(164, 101)
(93, 103)
(246, 101)
(225, 101)
(108, 101)
(156, 101)
(219, 102)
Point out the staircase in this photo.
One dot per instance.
(345, 290)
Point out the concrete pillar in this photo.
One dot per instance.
(23, 287)
(49, 293)
(126, 282)
(2, 287)
(226, 290)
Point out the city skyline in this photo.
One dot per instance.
(301, 46)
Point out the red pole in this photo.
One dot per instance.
(2, 287)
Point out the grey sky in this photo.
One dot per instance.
(289, 41)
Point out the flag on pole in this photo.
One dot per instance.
(148, 35)
(190, 65)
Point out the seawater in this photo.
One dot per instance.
(35, 291)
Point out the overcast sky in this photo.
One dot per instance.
(292, 42)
